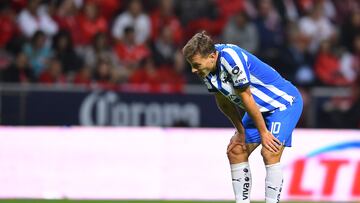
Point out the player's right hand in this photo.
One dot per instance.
(237, 139)
(270, 142)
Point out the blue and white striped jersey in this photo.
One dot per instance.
(237, 68)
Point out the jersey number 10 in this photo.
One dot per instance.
(275, 127)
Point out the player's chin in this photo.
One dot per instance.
(202, 75)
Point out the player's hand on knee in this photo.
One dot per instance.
(237, 139)
(270, 142)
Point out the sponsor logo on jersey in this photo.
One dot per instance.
(235, 70)
(241, 80)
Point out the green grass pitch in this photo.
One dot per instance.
(111, 201)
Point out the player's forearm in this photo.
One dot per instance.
(253, 111)
(232, 113)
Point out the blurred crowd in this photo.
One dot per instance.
(115, 43)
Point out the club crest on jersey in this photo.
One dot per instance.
(225, 77)
(235, 70)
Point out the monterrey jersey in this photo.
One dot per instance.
(237, 68)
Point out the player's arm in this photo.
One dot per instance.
(267, 139)
(230, 111)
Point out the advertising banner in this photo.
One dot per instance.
(99, 108)
(168, 163)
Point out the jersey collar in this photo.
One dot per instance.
(217, 69)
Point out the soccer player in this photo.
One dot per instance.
(263, 107)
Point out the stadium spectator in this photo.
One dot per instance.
(191, 11)
(270, 31)
(133, 16)
(328, 7)
(342, 112)
(34, 18)
(19, 71)
(99, 49)
(150, 78)
(344, 8)
(108, 8)
(5, 59)
(241, 31)
(288, 10)
(357, 55)
(38, 52)
(8, 24)
(328, 66)
(296, 62)
(8, 34)
(129, 52)
(164, 16)
(53, 74)
(353, 72)
(90, 22)
(105, 76)
(199, 15)
(350, 29)
(17, 5)
(229, 8)
(164, 48)
(64, 50)
(352, 117)
(317, 27)
(66, 17)
(146, 77)
(83, 76)
(349, 62)
(177, 78)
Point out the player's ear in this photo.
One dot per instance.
(212, 55)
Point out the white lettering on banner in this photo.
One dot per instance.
(107, 109)
(153, 115)
(120, 115)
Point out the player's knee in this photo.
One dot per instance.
(237, 152)
(269, 156)
(267, 153)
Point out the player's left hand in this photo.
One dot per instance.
(237, 139)
(270, 142)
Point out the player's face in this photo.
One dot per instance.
(202, 66)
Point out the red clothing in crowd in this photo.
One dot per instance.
(163, 79)
(129, 54)
(70, 24)
(81, 79)
(108, 8)
(8, 29)
(88, 28)
(229, 8)
(327, 69)
(46, 78)
(158, 21)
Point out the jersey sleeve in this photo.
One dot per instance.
(237, 68)
(210, 87)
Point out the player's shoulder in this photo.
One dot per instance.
(226, 47)
(230, 51)
(232, 55)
